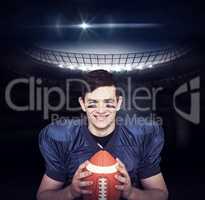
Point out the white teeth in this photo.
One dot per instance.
(101, 117)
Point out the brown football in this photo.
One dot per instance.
(103, 168)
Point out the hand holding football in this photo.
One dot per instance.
(104, 169)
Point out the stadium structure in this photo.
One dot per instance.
(111, 62)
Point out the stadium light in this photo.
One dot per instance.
(110, 62)
(84, 25)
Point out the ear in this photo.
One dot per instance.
(119, 103)
(82, 104)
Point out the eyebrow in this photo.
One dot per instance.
(108, 100)
(92, 101)
(105, 100)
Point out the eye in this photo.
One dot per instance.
(110, 106)
(91, 106)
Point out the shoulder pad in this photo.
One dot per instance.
(63, 130)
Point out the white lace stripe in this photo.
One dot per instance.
(102, 170)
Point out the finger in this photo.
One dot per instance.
(122, 171)
(85, 183)
(120, 187)
(121, 179)
(121, 168)
(120, 162)
(84, 174)
(86, 191)
(82, 166)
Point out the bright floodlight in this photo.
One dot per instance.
(84, 25)
(109, 61)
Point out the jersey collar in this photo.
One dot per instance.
(92, 141)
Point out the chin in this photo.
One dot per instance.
(102, 125)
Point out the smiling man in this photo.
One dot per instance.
(67, 147)
(100, 107)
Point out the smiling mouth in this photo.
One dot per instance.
(101, 118)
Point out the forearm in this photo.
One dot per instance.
(154, 194)
(60, 194)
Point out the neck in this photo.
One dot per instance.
(101, 132)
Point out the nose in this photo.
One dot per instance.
(101, 109)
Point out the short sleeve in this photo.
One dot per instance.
(152, 146)
(52, 153)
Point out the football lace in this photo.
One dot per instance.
(102, 195)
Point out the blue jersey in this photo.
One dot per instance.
(66, 145)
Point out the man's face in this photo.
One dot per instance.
(101, 106)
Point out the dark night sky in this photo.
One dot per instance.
(179, 14)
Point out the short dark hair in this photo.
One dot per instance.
(95, 79)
